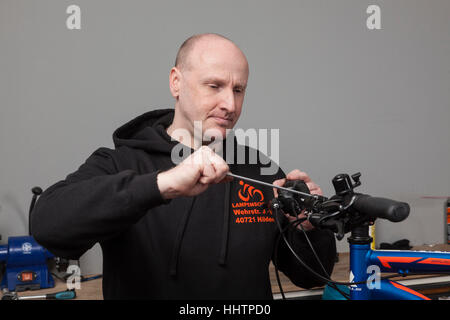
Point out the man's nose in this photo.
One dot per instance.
(228, 101)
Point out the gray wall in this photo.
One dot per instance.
(346, 98)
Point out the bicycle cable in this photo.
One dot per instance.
(334, 286)
(308, 268)
(294, 224)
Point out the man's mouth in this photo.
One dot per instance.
(223, 121)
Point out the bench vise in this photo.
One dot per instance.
(25, 265)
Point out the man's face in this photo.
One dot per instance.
(212, 86)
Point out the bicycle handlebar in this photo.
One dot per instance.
(344, 211)
(355, 211)
(375, 207)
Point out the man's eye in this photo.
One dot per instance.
(213, 86)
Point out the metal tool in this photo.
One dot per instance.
(313, 196)
(62, 295)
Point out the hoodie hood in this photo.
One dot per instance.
(147, 132)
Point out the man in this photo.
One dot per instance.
(182, 231)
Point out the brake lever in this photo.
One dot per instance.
(339, 224)
(330, 221)
(292, 203)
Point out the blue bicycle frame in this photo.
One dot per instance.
(354, 212)
(367, 265)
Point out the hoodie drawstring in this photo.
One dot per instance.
(179, 239)
(182, 228)
(225, 228)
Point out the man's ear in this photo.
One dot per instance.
(174, 82)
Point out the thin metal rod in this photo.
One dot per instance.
(32, 297)
(272, 185)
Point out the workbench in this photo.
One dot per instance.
(89, 290)
(92, 290)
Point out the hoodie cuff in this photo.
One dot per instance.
(144, 191)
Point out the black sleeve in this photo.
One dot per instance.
(92, 204)
(324, 244)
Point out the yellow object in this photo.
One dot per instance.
(372, 235)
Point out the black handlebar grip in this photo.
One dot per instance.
(381, 208)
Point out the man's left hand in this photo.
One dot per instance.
(313, 188)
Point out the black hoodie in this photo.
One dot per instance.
(216, 245)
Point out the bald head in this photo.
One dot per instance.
(201, 42)
(208, 81)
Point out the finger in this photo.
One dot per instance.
(220, 166)
(317, 191)
(314, 188)
(298, 175)
(290, 218)
(221, 172)
(208, 175)
(306, 225)
(280, 183)
(226, 179)
(208, 169)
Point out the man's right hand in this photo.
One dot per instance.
(193, 175)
